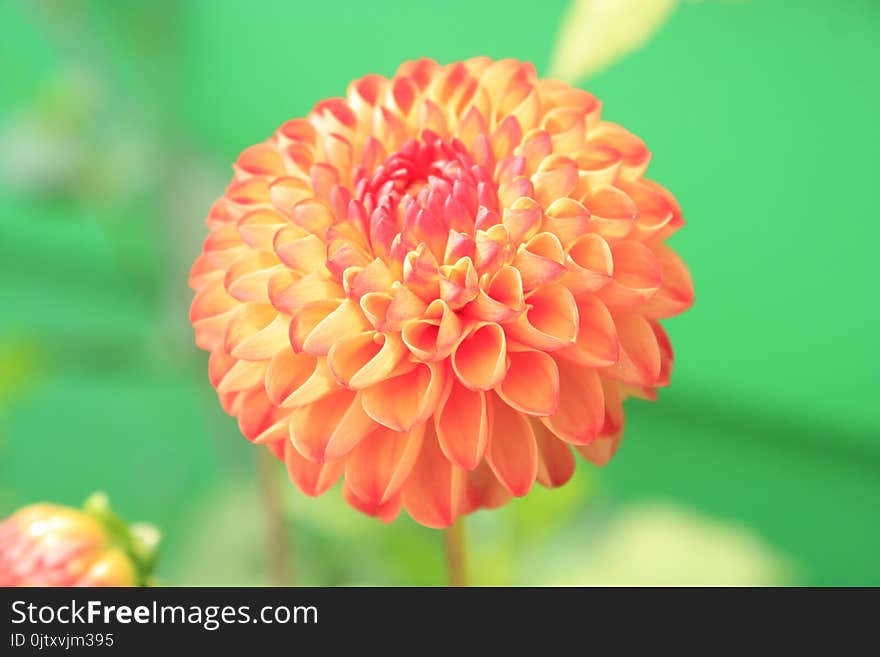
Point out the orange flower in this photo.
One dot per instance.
(436, 286)
(50, 545)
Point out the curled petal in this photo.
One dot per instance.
(540, 260)
(328, 429)
(550, 321)
(375, 277)
(307, 318)
(365, 359)
(286, 373)
(635, 154)
(289, 292)
(598, 166)
(247, 279)
(375, 308)
(344, 321)
(655, 211)
(248, 320)
(480, 360)
(500, 298)
(531, 385)
(522, 220)
(676, 293)
(243, 375)
(567, 219)
(301, 252)
(612, 212)
(286, 192)
(261, 160)
(590, 264)
(535, 146)
(306, 383)
(404, 401)
(259, 228)
(640, 361)
(435, 336)
(404, 306)
(637, 275)
(597, 344)
(459, 283)
(556, 178)
(248, 192)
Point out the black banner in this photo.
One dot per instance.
(146, 620)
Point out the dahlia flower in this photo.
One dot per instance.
(51, 545)
(438, 287)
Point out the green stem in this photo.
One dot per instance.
(279, 553)
(456, 554)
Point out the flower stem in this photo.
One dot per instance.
(278, 551)
(456, 554)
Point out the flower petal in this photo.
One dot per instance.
(512, 452)
(480, 360)
(297, 379)
(404, 401)
(567, 219)
(328, 429)
(550, 322)
(676, 294)
(601, 451)
(462, 424)
(612, 212)
(637, 275)
(532, 383)
(596, 344)
(311, 478)
(581, 405)
(256, 413)
(365, 359)
(345, 321)
(378, 468)
(590, 264)
(639, 362)
(483, 490)
(434, 494)
(386, 512)
(252, 337)
(555, 460)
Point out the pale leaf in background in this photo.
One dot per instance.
(661, 543)
(596, 33)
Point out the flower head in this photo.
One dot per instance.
(51, 545)
(438, 286)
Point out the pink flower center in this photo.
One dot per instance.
(429, 192)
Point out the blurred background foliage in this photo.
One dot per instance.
(760, 465)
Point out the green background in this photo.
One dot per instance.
(118, 122)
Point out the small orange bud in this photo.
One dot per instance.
(51, 545)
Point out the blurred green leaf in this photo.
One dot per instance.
(596, 33)
(656, 543)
